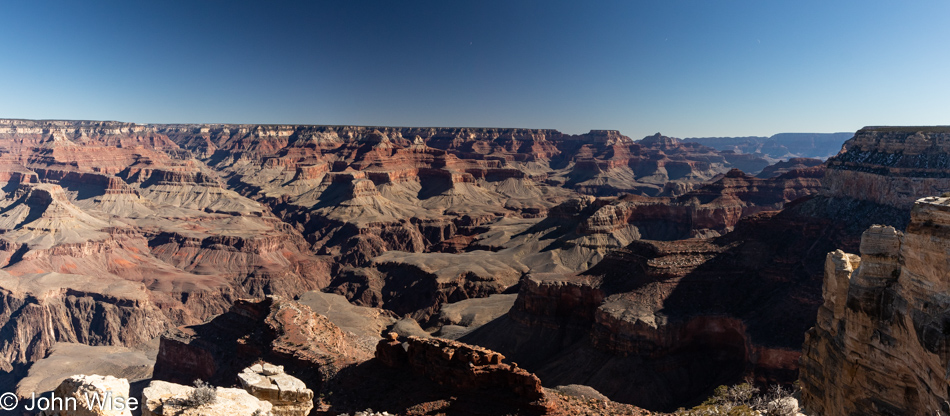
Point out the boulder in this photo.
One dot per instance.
(288, 394)
(161, 398)
(93, 395)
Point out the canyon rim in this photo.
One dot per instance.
(467, 271)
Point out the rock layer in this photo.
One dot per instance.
(166, 399)
(67, 359)
(42, 309)
(892, 166)
(879, 344)
(280, 331)
(108, 226)
(658, 324)
(462, 367)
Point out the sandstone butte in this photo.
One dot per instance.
(879, 345)
(650, 270)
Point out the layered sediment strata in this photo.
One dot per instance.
(42, 309)
(352, 193)
(892, 166)
(575, 235)
(361, 184)
(802, 164)
(659, 323)
(99, 210)
(707, 211)
(879, 344)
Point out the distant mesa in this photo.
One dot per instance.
(780, 147)
(659, 140)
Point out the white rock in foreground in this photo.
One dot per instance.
(106, 395)
(162, 398)
(288, 394)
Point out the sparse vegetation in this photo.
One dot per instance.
(746, 400)
(203, 394)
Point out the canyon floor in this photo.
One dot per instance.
(432, 270)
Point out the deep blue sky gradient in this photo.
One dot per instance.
(684, 68)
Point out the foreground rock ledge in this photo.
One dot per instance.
(114, 393)
(881, 343)
(462, 366)
(167, 399)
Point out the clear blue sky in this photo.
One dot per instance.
(696, 68)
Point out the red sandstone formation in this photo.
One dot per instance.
(195, 216)
(575, 235)
(180, 220)
(362, 184)
(118, 227)
(704, 212)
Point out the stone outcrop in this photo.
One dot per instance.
(892, 166)
(42, 309)
(879, 343)
(93, 395)
(280, 331)
(461, 366)
(430, 377)
(288, 394)
(267, 391)
(161, 398)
